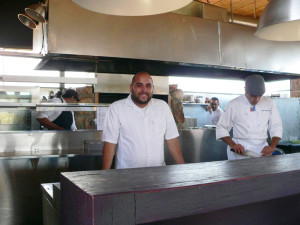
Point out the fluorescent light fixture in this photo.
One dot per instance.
(41, 79)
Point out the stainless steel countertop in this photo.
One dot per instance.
(47, 154)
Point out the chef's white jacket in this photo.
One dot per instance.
(215, 116)
(139, 132)
(52, 115)
(249, 127)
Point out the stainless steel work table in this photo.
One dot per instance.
(144, 195)
(21, 174)
(48, 154)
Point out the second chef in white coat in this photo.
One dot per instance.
(251, 116)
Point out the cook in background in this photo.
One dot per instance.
(135, 128)
(214, 110)
(58, 94)
(51, 95)
(251, 116)
(59, 120)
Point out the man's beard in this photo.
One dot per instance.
(136, 99)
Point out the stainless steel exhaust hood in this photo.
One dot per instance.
(167, 44)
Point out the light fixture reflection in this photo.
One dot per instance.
(280, 21)
(132, 7)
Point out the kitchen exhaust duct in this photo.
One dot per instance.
(164, 44)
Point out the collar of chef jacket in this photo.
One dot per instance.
(130, 103)
(246, 101)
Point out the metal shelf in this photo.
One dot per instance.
(55, 106)
(194, 103)
(16, 105)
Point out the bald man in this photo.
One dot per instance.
(135, 129)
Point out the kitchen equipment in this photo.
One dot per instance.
(207, 100)
(188, 98)
(199, 99)
(190, 122)
(93, 145)
(210, 126)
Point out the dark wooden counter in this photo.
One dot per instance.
(144, 195)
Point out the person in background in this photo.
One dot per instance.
(44, 99)
(214, 110)
(135, 129)
(59, 120)
(51, 95)
(58, 94)
(251, 116)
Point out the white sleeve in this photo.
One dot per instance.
(73, 126)
(225, 123)
(275, 122)
(112, 126)
(46, 114)
(219, 115)
(171, 131)
(42, 114)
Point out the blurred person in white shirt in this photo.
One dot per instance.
(214, 110)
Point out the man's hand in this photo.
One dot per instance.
(174, 148)
(208, 108)
(238, 148)
(267, 151)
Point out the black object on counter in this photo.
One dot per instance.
(289, 147)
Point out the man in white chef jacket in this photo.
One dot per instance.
(251, 116)
(135, 129)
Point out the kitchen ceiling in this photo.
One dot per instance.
(241, 7)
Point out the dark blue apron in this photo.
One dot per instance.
(65, 119)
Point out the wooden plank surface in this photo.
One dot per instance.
(282, 211)
(172, 203)
(152, 194)
(76, 205)
(155, 178)
(241, 7)
(114, 209)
